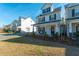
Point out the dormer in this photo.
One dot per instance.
(47, 7)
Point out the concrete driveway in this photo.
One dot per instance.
(7, 36)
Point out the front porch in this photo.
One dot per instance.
(49, 29)
(74, 30)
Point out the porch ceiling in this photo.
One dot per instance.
(47, 24)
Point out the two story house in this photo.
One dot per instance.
(50, 21)
(23, 25)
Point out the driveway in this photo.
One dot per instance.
(7, 36)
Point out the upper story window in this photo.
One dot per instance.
(40, 20)
(73, 12)
(54, 16)
(77, 12)
(50, 17)
(46, 10)
(43, 19)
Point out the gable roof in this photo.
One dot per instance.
(50, 4)
(57, 9)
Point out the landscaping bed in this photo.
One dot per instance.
(61, 39)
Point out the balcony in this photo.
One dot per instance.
(50, 21)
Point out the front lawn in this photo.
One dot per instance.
(23, 46)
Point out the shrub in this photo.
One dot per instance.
(45, 34)
(56, 34)
(7, 30)
(76, 34)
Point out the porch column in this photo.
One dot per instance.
(37, 30)
(57, 28)
(70, 30)
(33, 29)
(70, 27)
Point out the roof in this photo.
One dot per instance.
(57, 9)
(71, 5)
(22, 17)
(46, 4)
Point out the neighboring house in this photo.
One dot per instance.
(72, 17)
(23, 25)
(49, 21)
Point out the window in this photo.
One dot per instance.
(50, 18)
(43, 19)
(41, 30)
(77, 12)
(39, 20)
(73, 12)
(54, 16)
(46, 10)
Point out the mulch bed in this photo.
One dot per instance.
(62, 40)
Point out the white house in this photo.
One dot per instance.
(50, 21)
(72, 17)
(24, 25)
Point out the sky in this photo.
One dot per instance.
(11, 11)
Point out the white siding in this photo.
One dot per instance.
(48, 30)
(46, 18)
(69, 11)
(27, 23)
